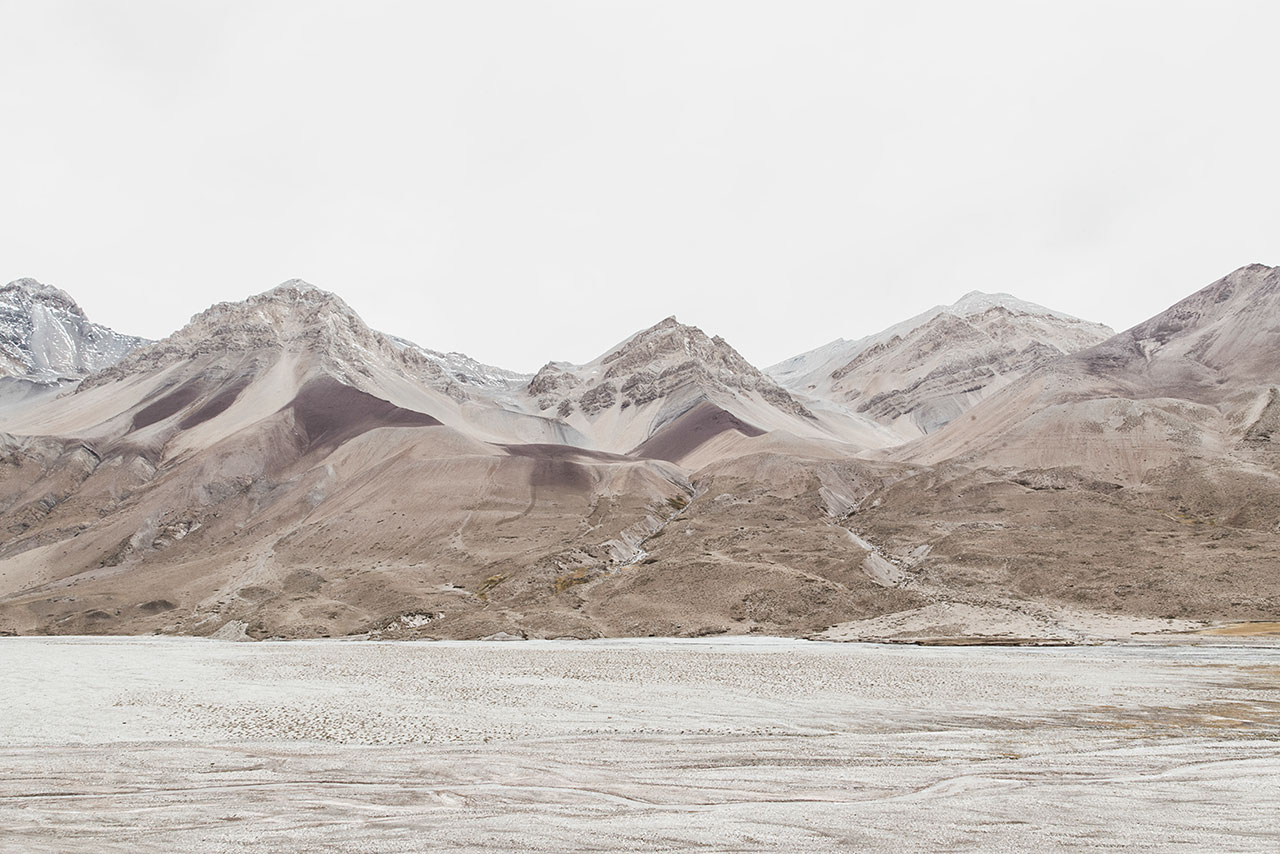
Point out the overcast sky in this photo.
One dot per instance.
(524, 181)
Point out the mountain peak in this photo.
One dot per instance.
(980, 302)
(292, 309)
(45, 335)
(670, 342)
(658, 362)
(1227, 326)
(27, 290)
(297, 292)
(668, 327)
(292, 288)
(293, 317)
(817, 367)
(1247, 279)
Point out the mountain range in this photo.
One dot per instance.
(990, 469)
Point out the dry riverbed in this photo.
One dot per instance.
(153, 744)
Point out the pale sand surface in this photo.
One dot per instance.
(152, 744)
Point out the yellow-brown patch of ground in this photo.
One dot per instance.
(1257, 628)
(1237, 719)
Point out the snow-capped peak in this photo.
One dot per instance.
(28, 291)
(45, 335)
(978, 302)
(807, 369)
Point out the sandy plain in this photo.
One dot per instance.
(165, 744)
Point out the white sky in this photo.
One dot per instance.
(524, 181)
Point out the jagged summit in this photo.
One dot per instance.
(1220, 336)
(300, 291)
(299, 310)
(294, 314)
(669, 341)
(293, 294)
(320, 332)
(278, 465)
(46, 336)
(1246, 294)
(808, 369)
(980, 302)
(293, 318)
(467, 370)
(30, 290)
(658, 362)
(921, 374)
(294, 284)
(1187, 384)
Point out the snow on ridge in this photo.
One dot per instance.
(807, 367)
(465, 369)
(46, 336)
(979, 302)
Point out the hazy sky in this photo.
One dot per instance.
(533, 180)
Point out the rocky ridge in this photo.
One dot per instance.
(652, 364)
(45, 336)
(294, 317)
(278, 468)
(922, 374)
(467, 370)
(808, 369)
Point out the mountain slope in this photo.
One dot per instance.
(655, 381)
(1139, 476)
(921, 374)
(278, 468)
(278, 463)
(1190, 382)
(467, 370)
(45, 336)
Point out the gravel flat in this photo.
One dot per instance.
(160, 744)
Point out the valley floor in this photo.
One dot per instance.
(165, 744)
